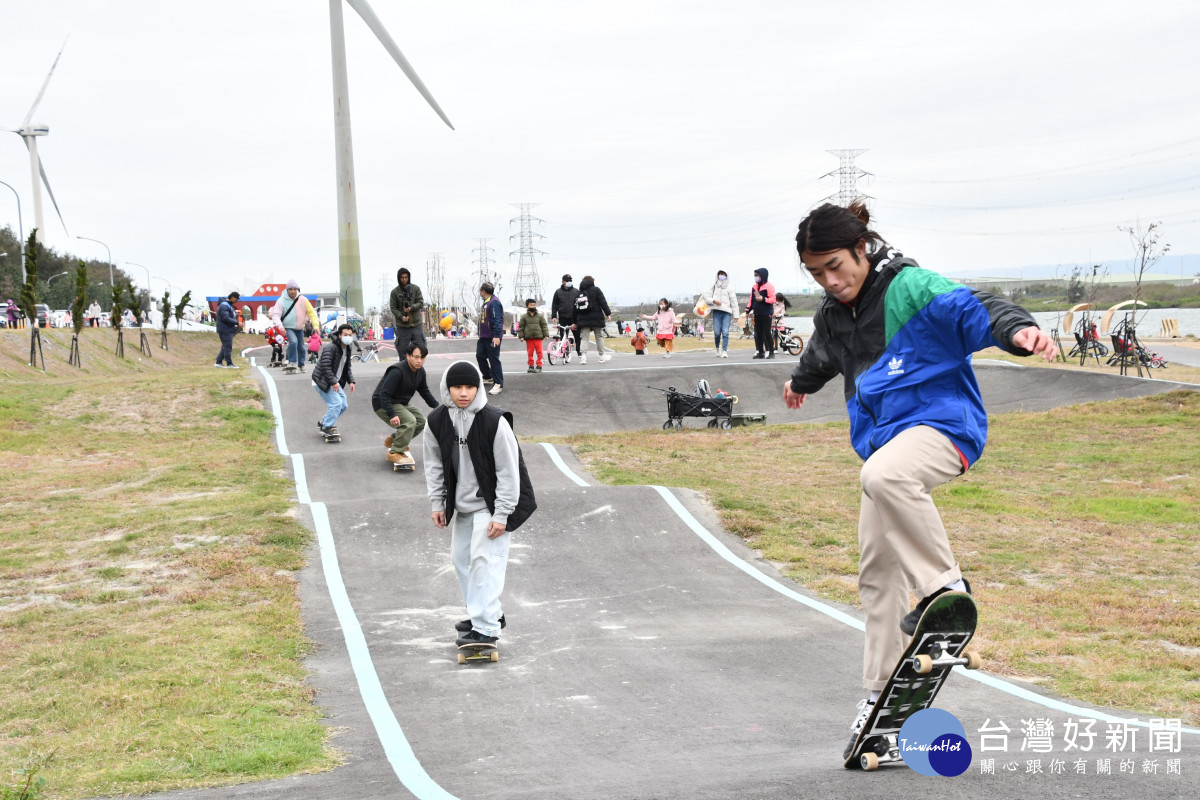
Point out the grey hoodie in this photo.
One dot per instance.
(504, 451)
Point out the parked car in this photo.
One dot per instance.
(43, 315)
(60, 318)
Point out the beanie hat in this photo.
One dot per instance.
(293, 285)
(462, 373)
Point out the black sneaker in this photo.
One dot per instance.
(772, 355)
(465, 625)
(758, 355)
(865, 707)
(475, 637)
(909, 624)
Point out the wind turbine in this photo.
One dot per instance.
(29, 132)
(350, 266)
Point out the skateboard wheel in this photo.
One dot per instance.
(462, 658)
(869, 761)
(922, 664)
(495, 656)
(973, 660)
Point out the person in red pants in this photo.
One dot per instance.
(533, 329)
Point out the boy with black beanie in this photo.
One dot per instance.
(473, 466)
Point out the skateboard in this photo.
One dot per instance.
(471, 653)
(290, 369)
(938, 644)
(332, 438)
(402, 467)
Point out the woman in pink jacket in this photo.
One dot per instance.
(666, 326)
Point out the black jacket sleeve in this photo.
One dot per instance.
(1007, 318)
(817, 364)
(603, 303)
(387, 390)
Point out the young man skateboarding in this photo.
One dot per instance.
(902, 337)
(473, 467)
(331, 376)
(392, 401)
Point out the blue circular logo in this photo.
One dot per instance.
(933, 742)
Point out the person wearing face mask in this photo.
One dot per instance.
(332, 375)
(761, 307)
(533, 329)
(562, 310)
(665, 330)
(290, 312)
(722, 301)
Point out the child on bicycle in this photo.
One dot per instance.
(902, 338)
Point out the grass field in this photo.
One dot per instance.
(149, 617)
(1079, 529)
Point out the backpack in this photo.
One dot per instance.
(581, 302)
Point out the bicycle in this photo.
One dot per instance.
(369, 353)
(786, 339)
(561, 348)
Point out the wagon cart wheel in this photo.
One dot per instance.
(679, 424)
(726, 424)
(712, 423)
(668, 425)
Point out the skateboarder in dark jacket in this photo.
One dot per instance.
(902, 337)
(473, 468)
(392, 402)
(332, 376)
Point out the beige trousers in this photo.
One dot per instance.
(901, 539)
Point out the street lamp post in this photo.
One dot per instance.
(111, 279)
(143, 266)
(20, 231)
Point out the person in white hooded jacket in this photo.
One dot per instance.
(722, 302)
(473, 467)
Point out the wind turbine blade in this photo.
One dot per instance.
(38, 99)
(49, 191)
(389, 44)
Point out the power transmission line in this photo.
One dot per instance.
(528, 284)
(848, 175)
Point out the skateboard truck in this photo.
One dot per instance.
(886, 750)
(937, 656)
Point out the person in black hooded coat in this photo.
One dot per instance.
(591, 313)
(406, 304)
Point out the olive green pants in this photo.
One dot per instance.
(410, 427)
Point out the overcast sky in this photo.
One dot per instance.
(662, 140)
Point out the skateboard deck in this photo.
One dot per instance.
(471, 653)
(938, 644)
(332, 438)
(403, 467)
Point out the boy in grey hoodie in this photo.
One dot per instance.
(473, 466)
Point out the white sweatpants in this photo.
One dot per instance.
(480, 563)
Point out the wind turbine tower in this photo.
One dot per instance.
(528, 284)
(349, 263)
(29, 132)
(848, 175)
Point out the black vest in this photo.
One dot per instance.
(479, 446)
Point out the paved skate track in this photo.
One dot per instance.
(638, 662)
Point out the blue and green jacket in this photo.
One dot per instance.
(904, 348)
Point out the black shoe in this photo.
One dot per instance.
(759, 355)
(320, 427)
(865, 707)
(465, 625)
(909, 623)
(531, 369)
(475, 637)
(772, 355)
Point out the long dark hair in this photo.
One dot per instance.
(832, 227)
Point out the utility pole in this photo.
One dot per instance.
(528, 284)
(848, 175)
